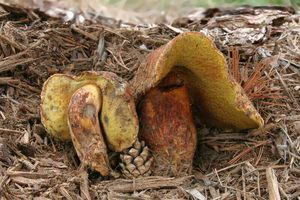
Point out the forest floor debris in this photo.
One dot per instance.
(227, 165)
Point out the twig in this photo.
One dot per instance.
(82, 32)
(18, 166)
(5, 80)
(282, 192)
(2, 115)
(146, 183)
(261, 150)
(31, 175)
(27, 181)
(10, 131)
(226, 168)
(287, 90)
(125, 197)
(84, 186)
(294, 155)
(7, 65)
(272, 184)
(65, 193)
(100, 52)
(118, 61)
(258, 184)
(247, 150)
(244, 184)
(13, 43)
(25, 87)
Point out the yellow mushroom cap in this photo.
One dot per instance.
(220, 99)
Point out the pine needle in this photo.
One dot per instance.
(257, 85)
(253, 80)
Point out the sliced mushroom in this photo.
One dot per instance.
(118, 115)
(84, 127)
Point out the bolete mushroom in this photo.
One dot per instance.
(197, 64)
(63, 100)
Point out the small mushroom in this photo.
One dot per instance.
(84, 127)
(118, 115)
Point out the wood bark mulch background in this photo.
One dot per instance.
(264, 42)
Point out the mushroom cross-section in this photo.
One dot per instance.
(118, 116)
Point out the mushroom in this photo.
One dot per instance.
(195, 62)
(62, 95)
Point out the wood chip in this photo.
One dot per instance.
(27, 181)
(146, 183)
(272, 184)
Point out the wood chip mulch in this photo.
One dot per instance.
(262, 46)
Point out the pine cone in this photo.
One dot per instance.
(136, 161)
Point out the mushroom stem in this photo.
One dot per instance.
(168, 127)
(83, 122)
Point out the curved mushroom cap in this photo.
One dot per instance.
(118, 115)
(195, 58)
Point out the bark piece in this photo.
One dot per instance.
(168, 128)
(84, 127)
(118, 115)
(220, 99)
